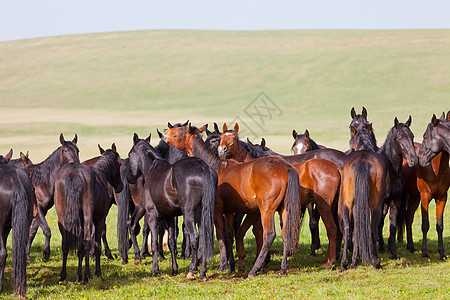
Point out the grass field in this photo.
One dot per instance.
(105, 87)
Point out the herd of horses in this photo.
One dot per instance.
(232, 185)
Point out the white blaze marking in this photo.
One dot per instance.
(299, 148)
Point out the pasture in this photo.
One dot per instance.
(106, 86)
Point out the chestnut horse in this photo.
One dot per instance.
(16, 212)
(187, 187)
(82, 203)
(364, 187)
(435, 183)
(263, 185)
(43, 180)
(319, 181)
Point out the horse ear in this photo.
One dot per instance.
(169, 125)
(216, 128)
(23, 157)
(236, 127)
(263, 143)
(113, 148)
(442, 116)
(395, 122)
(101, 149)
(159, 133)
(135, 138)
(448, 116)
(370, 129)
(61, 139)
(352, 130)
(185, 123)
(9, 155)
(149, 138)
(409, 121)
(208, 133)
(224, 127)
(27, 154)
(250, 142)
(307, 134)
(75, 139)
(294, 134)
(434, 120)
(364, 112)
(203, 128)
(353, 113)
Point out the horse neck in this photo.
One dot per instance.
(201, 150)
(240, 154)
(389, 150)
(43, 172)
(103, 168)
(440, 163)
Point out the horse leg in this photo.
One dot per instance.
(440, 205)
(330, 225)
(3, 255)
(87, 242)
(172, 244)
(153, 226)
(134, 231)
(411, 209)
(240, 233)
(394, 206)
(258, 233)
(269, 233)
(375, 221)
(108, 253)
(229, 220)
(345, 221)
(314, 218)
(185, 249)
(163, 226)
(380, 228)
(191, 231)
(99, 228)
(145, 233)
(33, 230)
(220, 232)
(425, 225)
(47, 232)
(80, 252)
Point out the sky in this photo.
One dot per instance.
(20, 19)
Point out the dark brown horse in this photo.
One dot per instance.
(363, 190)
(82, 203)
(16, 204)
(319, 181)
(262, 185)
(43, 179)
(188, 187)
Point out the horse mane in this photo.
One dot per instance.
(386, 148)
(169, 152)
(363, 141)
(254, 151)
(40, 173)
(103, 165)
(202, 151)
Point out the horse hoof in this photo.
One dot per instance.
(342, 269)
(326, 265)
(313, 253)
(190, 276)
(137, 261)
(378, 266)
(443, 257)
(251, 275)
(425, 256)
(221, 269)
(241, 268)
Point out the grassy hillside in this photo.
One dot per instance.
(107, 86)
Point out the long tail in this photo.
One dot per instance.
(74, 214)
(123, 205)
(209, 198)
(361, 211)
(21, 220)
(294, 213)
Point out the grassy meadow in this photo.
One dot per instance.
(106, 86)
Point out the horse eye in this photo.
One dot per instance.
(234, 138)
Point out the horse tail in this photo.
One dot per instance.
(361, 211)
(294, 212)
(21, 219)
(73, 214)
(209, 197)
(123, 205)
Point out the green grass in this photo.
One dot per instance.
(410, 276)
(105, 87)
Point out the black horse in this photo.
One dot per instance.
(187, 186)
(82, 203)
(43, 180)
(16, 204)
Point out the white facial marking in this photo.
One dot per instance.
(299, 148)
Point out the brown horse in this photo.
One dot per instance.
(43, 180)
(364, 185)
(319, 181)
(82, 203)
(263, 185)
(433, 179)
